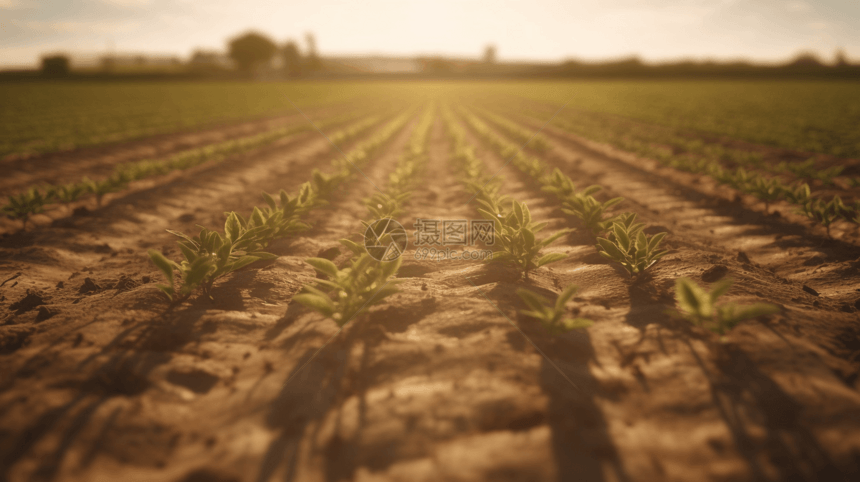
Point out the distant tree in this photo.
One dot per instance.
(251, 50)
(806, 59)
(313, 61)
(292, 59)
(55, 65)
(490, 54)
(840, 59)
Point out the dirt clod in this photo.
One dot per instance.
(46, 312)
(81, 211)
(714, 273)
(329, 253)
(743, 258)
(125, 284)
(60, 285)
(27, 303)
(810, 290)
(13, 337)
(89, 286)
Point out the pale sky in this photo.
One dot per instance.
(548, 30)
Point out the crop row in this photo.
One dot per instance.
(50, 116)
(805, 116)
(366, 281)
(619, 238)
(211, 254)
(35, 200)
(768, 189)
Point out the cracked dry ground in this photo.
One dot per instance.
(443, 381)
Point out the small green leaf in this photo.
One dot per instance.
(322, 304)
(550, 258)
(323, 266)
(162, 263)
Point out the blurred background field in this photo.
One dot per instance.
(818, 116)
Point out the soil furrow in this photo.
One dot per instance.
(126, 351)
(639, 352)
(61, 167)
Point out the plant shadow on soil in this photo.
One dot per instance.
(134, 354)
(744, 396)
(316, 386)
(581, 441)
(741, 391)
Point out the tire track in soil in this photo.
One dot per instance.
(666, 378)
(122, 351)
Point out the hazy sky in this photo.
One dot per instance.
(533, 29)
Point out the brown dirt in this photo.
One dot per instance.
(444, 381)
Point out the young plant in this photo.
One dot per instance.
(558, 183)
(22, 206)
(382, 205)
(516, 236)
(766, 189)
(628, 245)
(699, 307)
(324, 185)
(800, 195)
(100, 188)
(590, 211)
(69, 193)
(208, 256)
(347, 291)
(281, 220)
(552, 316)
(825, 212)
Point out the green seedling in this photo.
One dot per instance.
(100, 188)
(766, 189)
(552, 316)
(628, 245)
(559, 184)
(209, 256)
(281, 220)
(740, 179)
(852, 214)
(347, 291)
(516, 236)
(69, 193)
(382, 205)
(699, 306)
(590, 211)
(22, 206)
(825, 213)
(324, 185)
(800, 195)
(808, 170)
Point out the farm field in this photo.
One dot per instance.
(161, 318)
(37, 118)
